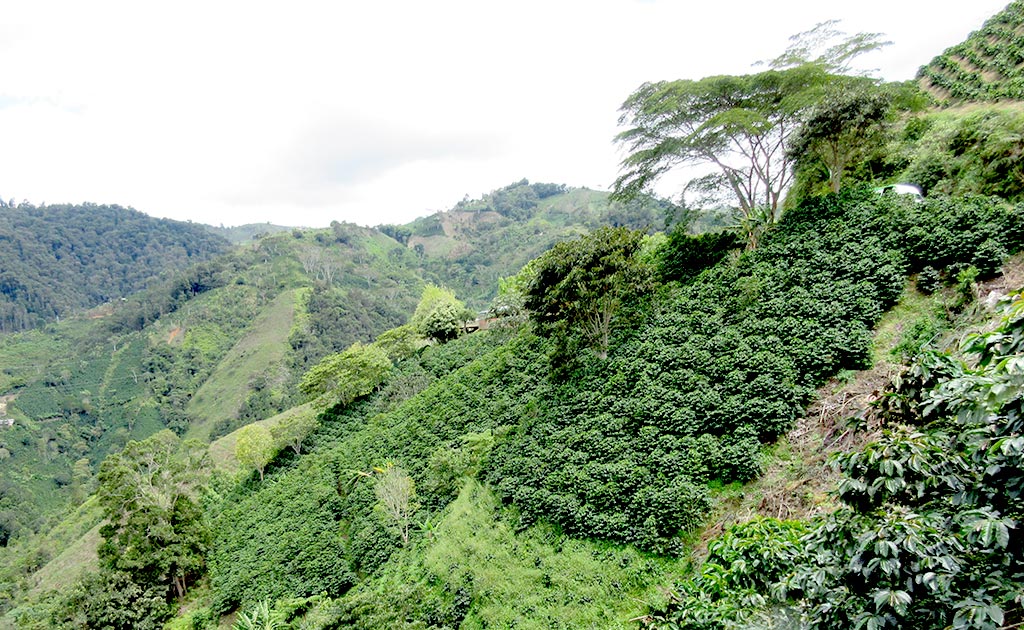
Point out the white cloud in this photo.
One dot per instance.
(304, 113)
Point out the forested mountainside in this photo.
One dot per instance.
(987, 66)
(306, 433)
(60, 259)
(218, 345)
(512, 477)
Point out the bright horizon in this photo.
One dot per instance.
(234, 113)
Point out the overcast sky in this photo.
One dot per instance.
(301, 113)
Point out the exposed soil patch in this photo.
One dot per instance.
(4, 420)
(1011, 280)
(175, 335)
(797, 484)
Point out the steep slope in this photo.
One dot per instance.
(971, 149)
(222, 450)
(521, 476)
(631, 450)
(55, 260)
(894, 522)
(83, 387)
(265, 344)
(987, 66)
(504, 430)
(211, 347)
(478, 571)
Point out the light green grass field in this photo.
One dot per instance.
(263, 345)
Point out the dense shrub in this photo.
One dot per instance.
(312, 526)
(715, 367)
(284, 540)
(976, 151)
(686, 255)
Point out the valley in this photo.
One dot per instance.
(797, 410)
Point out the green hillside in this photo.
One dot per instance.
(971, 149)
(808, 417)
(218, 345)
(239, 234)
(56, 260)
(987, 66)
(265, 343)
(84, 387)
(517, 464)
(473, 245)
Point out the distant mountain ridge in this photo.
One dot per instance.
(208, 342)
(238, 234)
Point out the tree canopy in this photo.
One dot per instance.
(840, 128)
(826, 46)
(255, 447)
(582, 284)
(440, 315)
(739, 125)
(348, 375)
(149, 494)
(293, 429)
(60, 258)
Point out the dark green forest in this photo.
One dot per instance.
(786, 399)
(59, 259)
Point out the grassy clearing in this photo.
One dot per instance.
(535, 578)
(264, 344)
(50, 561)
(222, 450)
(77, 558)
(912, 307)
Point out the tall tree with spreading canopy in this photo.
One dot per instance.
(826, 46)
(346, 376)
(440, 315)
(149, 495)
(255, 447)
(840, 128)
(295, 427)
(737, 124)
